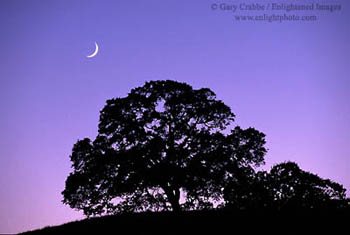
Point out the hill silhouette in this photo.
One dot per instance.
(325, 221)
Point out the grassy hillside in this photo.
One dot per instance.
(209, 222)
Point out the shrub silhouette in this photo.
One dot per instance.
(162, 140)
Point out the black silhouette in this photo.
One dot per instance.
(285, 187)
(162, 140)
(210, 222)
(167, 146)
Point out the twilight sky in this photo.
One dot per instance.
(289, 80)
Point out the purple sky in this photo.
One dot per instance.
(289, 80)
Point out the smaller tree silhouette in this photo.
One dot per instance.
(295, 188)
(286, 186)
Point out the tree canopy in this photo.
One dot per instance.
(162, 141)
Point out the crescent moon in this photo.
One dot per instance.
(95, 52)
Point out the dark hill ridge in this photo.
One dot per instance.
(210, 222)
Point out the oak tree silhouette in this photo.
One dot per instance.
(162, 141)
(286, 187)
(292, 188)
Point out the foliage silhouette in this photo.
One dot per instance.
(285, 187)
(167, 146)
(163, 140)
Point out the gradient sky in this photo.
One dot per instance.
(289, 80)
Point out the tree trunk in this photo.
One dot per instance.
(173, 197)
(176, 203)
(176, 206)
